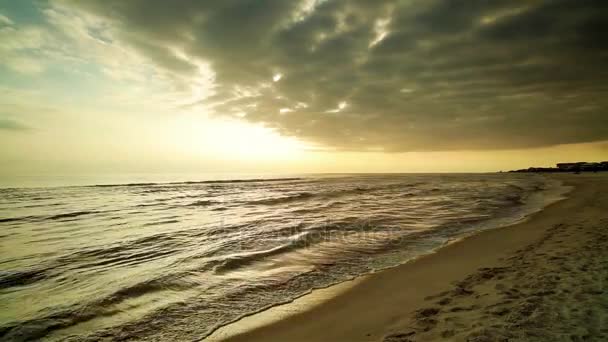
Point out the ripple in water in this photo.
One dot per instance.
(178, 260)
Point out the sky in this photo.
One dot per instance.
(275, 86)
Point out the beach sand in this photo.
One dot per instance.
(541, 280)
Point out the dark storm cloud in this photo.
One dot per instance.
(447, 74)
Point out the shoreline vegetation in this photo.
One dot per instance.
(543, 279)
(576, 167)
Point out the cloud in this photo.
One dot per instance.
(12, 125)
(20, 46)
(477, 74)
(5, 21)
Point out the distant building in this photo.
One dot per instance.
(583, 166)
(570, 166)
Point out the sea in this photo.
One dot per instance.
(176, 260)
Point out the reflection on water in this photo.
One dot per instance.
(177, 260)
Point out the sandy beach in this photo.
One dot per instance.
(542, 279)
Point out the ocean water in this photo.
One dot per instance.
(175, 261)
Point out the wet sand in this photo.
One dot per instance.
(543, 279)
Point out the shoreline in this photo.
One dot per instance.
(318, 296)
(373, 306)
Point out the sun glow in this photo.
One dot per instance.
(234, 139)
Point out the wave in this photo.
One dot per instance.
(122, 185)
(324, 195)
(43, 205)
(516, 187)
(514, 199)
(227, 181)
(136, 248)
(202, 203)
(51, 217)
(131, 259)
(301, 240)
(16, 219)
(236, 261)
(160, 222)
(20, 278)
(65, 317)
(146, 205)
(284, 199)
(141, 289)
(256, 180)
(72, 214)
(37, 328)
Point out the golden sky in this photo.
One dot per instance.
(277, 86)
